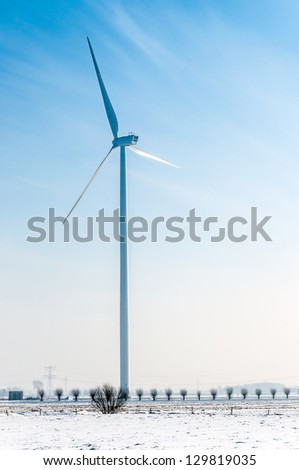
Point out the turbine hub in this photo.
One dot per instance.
(125, 141)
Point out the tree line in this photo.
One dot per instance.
(75, 392)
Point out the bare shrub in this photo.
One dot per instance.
(58, 393)
(213, 392)
(168, 393)
(198, 394)
(108, 399)
(287, 391)
(41, 393)
(229, 391)
(153, 393)
(273, 392)
(244, 393)
(183, 392)
(92, 393)
(139, 393)
(76, 393)
(258, 392)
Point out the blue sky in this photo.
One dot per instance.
(210, 85)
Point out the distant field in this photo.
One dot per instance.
(237, 424)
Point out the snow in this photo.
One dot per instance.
(209, 425)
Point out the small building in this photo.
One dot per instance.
(15, 395)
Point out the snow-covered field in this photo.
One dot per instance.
(260, 425)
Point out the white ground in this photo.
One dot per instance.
(148, 426)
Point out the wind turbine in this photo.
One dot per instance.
(121, 142)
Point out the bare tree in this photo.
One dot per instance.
(258, 392)
(109, 400)
(92, 393)
(198, 394)
(183, 392)
(168, 393)
(244, 392)
(58, 393)
(229, 391)
(153, 393)
(41, 393)
(273, 392)
(213, 392)
(76, 393)
(139, 393)
(287, 391)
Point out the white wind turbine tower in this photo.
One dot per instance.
(121, 142)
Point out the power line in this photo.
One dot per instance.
(50, 377)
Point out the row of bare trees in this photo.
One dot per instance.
(213, 392)
(168, 392)
(154, 393)
(58, 393)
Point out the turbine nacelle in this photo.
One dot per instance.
(125, 141)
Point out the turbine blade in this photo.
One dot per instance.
(107, 103)
(89, 183)
(152, 157)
